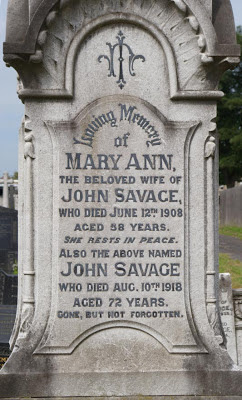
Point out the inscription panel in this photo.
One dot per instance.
(119, 225)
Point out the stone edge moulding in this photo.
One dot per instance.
(118, 199)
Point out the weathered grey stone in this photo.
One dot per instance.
(231, 206)
(118, 201)
(8, 239)
(142, 398)
(222, 11)
(226, 306)
(237, 296)
(8, 195)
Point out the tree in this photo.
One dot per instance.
(15, 175)
(230, 124)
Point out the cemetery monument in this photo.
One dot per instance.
(118, 206)
(8, 301)
(8, 192)
(227, 314)
(8, 239)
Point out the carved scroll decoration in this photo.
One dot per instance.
(55, 54)
(180, 4)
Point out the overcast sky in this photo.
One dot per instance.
(11, 108)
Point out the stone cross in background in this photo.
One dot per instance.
(6, 181)
(10, 198)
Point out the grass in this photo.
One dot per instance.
(234, 231)
(233, 267)
(228, 264)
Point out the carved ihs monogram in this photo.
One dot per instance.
(123, 49)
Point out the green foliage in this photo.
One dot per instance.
(230, 124)
(234, 231)
(15, 269)
(233, 267)
(15, 175)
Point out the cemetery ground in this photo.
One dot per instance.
(234, 231)
(230, 257)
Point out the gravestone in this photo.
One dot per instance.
(237, 296)
(7, 317)
(8, 192)
(8, 239)
(226, 306)
(8, 288)
(118, 199)
(8, 302)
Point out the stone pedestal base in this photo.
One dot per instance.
(133, 398)
(168, 385)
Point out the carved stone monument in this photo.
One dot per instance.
(8, 192)
(8, 301)
(226, 306)
(118, 199)
(8, 239)
(237, 296)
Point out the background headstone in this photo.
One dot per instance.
(7, 318)
(231, 206)
(8, 288)
(8, 192)
(226, 306)
(8, 239)
(8, 305)
(237, 297)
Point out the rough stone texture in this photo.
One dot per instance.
(8, 192)
(221, 12)
(22, 32)
(139, 398)
(118, 201)
(237, 296)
